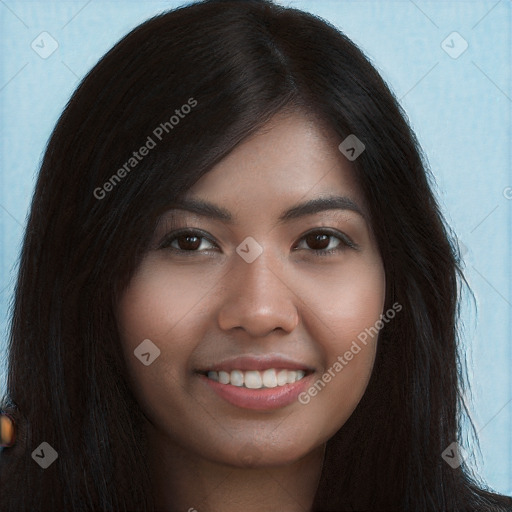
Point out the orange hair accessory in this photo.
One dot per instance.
(7, 430)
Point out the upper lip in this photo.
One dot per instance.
(260, 362)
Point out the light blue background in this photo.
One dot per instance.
(460, 109)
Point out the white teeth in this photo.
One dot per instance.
(269, 378)
(252, 379)
(292, 377)
(237, 378)
(282, 377)
(224, 377)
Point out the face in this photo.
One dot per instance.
(256, 303)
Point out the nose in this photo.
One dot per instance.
(257, 299)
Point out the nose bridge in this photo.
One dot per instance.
(257, 297)
(262, 269)
(258, 282)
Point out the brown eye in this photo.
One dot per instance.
(187, 241)
(325, 242)
(318, 241)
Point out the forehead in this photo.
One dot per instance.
(292, 158)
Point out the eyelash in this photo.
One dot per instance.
(345, 241)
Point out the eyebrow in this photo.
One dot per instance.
(317, 205)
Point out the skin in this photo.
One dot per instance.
(204, 306)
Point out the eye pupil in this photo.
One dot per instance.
(192, 242)
(318, 241)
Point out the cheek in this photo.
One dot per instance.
(157, 302)
(358, 305)
(343, 318)
(162, 307)
(345, 303)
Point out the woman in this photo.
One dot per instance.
(236, 289)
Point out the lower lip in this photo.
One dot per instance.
(264, 399)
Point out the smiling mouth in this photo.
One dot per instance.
(254, 379)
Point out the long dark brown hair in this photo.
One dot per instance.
(241, 62)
